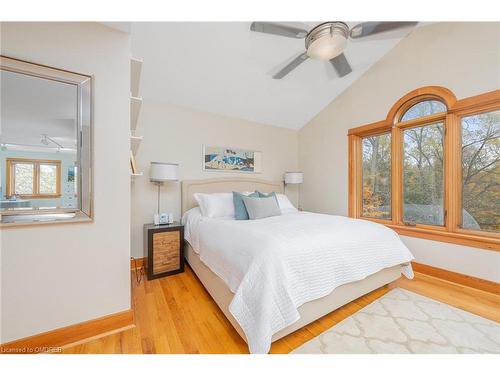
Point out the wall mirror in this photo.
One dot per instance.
(45, 144)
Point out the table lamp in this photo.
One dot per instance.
(160, 173)
(293, 178)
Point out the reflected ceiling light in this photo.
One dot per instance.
(327, 40)
(46, 139)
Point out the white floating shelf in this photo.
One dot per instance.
(135, 75)
(135, 108)
(135, 141)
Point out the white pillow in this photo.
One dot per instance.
(216, 204)
(285, 205)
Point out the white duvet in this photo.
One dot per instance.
(276, 264)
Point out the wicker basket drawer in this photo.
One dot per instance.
(166, 254)
(164, 246)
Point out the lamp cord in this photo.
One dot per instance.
(139, 273)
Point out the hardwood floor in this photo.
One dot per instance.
(177, 315)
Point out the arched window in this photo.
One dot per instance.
(422, 109)
(431, 169)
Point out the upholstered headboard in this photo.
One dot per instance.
(224, 185)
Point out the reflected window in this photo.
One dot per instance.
(33, 178)
(23, 178)
(47, 179)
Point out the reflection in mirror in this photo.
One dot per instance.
(38, 142)
(45, 144)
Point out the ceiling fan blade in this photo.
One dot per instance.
(341, 65)
(291, 66)
(278, 29)
(366, 29)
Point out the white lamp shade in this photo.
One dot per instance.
(160, 172)
(294, 177)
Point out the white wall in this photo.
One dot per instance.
(175, 134)
(464, 57)
(58, 275)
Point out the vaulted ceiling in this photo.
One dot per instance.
(224, 68)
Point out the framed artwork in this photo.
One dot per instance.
(230, 159)
(72, 181)
(71, 173)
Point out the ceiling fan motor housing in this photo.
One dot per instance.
(327, 40)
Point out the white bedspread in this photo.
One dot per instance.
(275, 265)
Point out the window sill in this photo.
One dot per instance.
(8, 220)
(462, 238)
(40, 196)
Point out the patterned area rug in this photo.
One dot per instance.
(405, 322)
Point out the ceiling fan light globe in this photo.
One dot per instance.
(327, 47)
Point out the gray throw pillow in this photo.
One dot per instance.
(240, 211)
(265, 195)
(259, 208)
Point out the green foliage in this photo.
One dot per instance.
(481, 168)
(423, 172)
(377, 176)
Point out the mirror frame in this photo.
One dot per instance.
(84, 84)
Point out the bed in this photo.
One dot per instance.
(269, 309)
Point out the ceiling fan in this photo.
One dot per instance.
(328, 40)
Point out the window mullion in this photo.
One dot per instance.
(11, 178)
(353, 183)
(359, 175)
(396, 175)
(36, 182)
(452, 173)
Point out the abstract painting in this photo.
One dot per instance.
(228, 159)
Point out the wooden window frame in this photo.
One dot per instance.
(451, 231)
(10, 180)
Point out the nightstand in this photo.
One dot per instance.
(164, 246)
